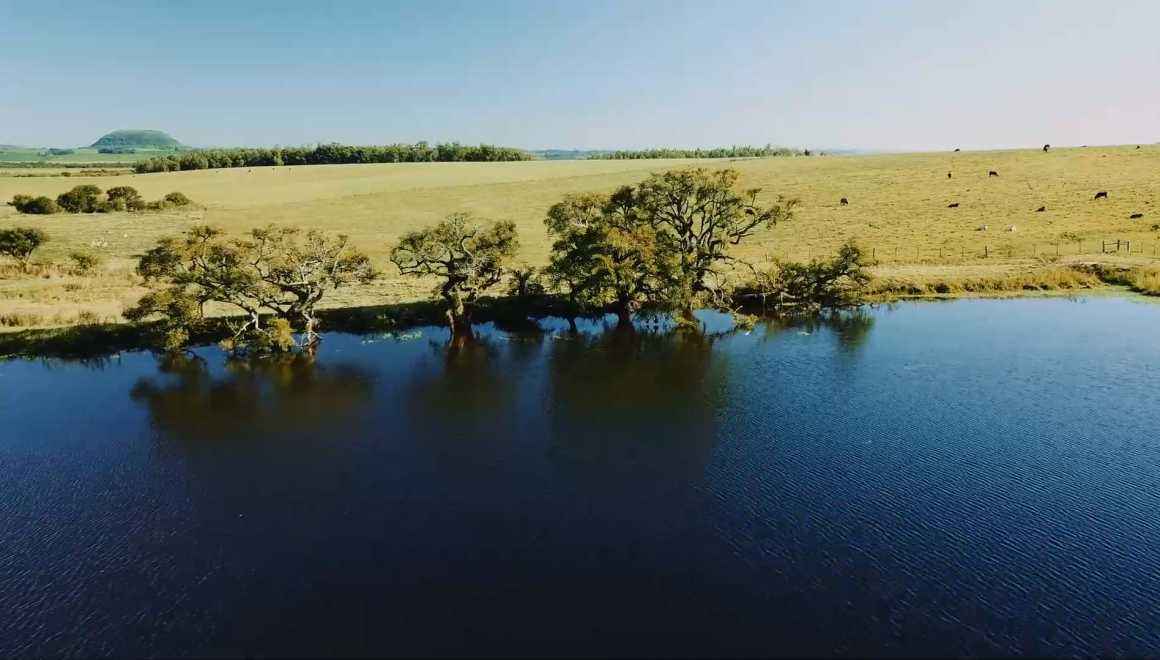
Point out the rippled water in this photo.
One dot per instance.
(977, 477)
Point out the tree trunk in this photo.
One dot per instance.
(459, 318)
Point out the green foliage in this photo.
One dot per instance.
(81, 199)
(125, 198)
(280, 271)
(177, 199)
(20, 242)
(735, 151)
(84, 263)
(606, 252)
(329, 154)
(836, 282)
(34, 205)
(701, 218)
(468, 258)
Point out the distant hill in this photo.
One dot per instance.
(136, 139)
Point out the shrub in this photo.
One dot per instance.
(81, 199)
(125, 198)
(20, 242)
(84, 262)
(177, 199)
(34, 205)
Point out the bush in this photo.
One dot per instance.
(81, 199)
(125, 198)
(34, 205)
(20, 242)
(177, 199)
(84, 262)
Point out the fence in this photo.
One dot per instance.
(985, 250)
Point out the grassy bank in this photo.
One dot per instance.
(897, 210)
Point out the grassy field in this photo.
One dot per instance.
(898, 210)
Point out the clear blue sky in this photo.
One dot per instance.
(926, 74)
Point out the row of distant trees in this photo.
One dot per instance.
(91, 199)
(736, 151)
(329, 154)
(664, 245)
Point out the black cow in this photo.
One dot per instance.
(1103, 194)
(948, 175)
(992, 173)
(1135, 216)
(957, 150)
(1046, 147)
(953, 205)
(844, 202)
(1041, 209)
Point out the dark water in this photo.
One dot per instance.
(978, 477)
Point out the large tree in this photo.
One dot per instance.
(606, 253)
(467, 257)
(280, 271)
(704, 217)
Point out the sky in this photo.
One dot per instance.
(591, 74)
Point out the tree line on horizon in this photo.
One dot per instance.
(329, 154)
(736, 151)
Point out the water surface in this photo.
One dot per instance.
(976, 477)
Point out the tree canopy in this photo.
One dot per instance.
(468, 258)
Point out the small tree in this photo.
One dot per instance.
(837, 282)
(125, 198)
(704, 218)
(20, 242)
(606, 252)
(81, 199)
(468, 258)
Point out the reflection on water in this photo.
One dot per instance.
(185, 399)
(975, 477)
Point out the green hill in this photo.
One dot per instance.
(136, 139)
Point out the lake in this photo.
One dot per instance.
(970, 477)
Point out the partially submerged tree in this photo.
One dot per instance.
(824, 283)
(469, 259)
(606, 253)
(279, 271)
(704, 217)
(20, 242)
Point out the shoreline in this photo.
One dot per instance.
(105, 339)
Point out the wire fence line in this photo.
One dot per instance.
(985, 250)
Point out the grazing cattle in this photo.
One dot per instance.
(1137, 146)
(1103, 194)
(1046, 147)
(1135, 216)
(983, 228)
(953, 205)
(1010, 227)
(957, 150)
(992, 173)
(844, 201)
(1041, 209)
(948, 175)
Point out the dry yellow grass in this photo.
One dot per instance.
(898, 210)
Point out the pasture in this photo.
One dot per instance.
(898, 209)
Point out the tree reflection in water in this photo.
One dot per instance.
(266, 395)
